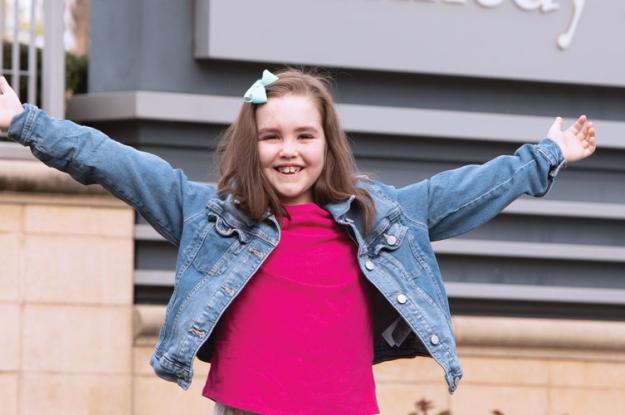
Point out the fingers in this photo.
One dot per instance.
(591, 136)
(4, 85)
(589, 133)
(588, 140)
(579, 124)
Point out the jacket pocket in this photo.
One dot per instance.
(225, 229)
(390, 239)
(391, 247)
(219, 244)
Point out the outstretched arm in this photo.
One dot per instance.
(456, 201)
(143, 180)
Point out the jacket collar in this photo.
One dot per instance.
(386, 210)
(384, 206)
(339, 209)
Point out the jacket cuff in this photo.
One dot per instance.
(552, 152)
(23, 125)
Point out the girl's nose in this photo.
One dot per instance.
(289, 148)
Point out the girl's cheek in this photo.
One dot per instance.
(265, 154)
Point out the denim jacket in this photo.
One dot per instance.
(220, 248)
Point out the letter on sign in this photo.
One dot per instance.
(489, 3)
(531, 5)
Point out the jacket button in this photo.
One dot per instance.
(434, 339)
(369, 265)
(401, 299)
(391, 239)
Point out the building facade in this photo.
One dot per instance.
(537, 294)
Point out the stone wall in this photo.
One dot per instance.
(66, 293)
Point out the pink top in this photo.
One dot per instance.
(299, 338)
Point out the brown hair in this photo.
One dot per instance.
(239, 164)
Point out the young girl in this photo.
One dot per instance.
(344, 275)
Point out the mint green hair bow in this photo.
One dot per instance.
(257, 93)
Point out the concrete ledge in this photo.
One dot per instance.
(162, 278)
(61, 199)
(561, 208)
(372, 119)
(535, 293)
(494, 332)
(15, 151)
(35, 177)
(551, 251)
(539, 333)
(147, 321)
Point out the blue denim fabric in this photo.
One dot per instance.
(220, 247)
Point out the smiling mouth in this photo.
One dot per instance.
(288, 171)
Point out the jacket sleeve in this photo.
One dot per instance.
(144, 181)
(456, 201)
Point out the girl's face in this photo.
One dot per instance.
(291, 146)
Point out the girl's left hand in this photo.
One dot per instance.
(576, 142)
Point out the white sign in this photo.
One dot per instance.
(561, 41)
(546, 6)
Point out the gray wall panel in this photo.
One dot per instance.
(147, 45)
(155, 256)
(115, 42)
(552, 230)
(531, 272)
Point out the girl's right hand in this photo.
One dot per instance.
(10, 104)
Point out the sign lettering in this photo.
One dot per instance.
(564, 40)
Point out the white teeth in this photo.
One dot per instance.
(289, 169)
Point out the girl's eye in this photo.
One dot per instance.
(268, 137)
(307, 136)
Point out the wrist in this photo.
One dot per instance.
(552, 150)
(560, 144)
(17, 112)
(22, 125)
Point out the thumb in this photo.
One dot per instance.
(556, 127)
(559, 122)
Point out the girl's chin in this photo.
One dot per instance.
(298, 197)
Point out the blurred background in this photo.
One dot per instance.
(537, 294)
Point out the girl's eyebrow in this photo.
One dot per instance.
(267, 130)
(273, 130)
(306, 128)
